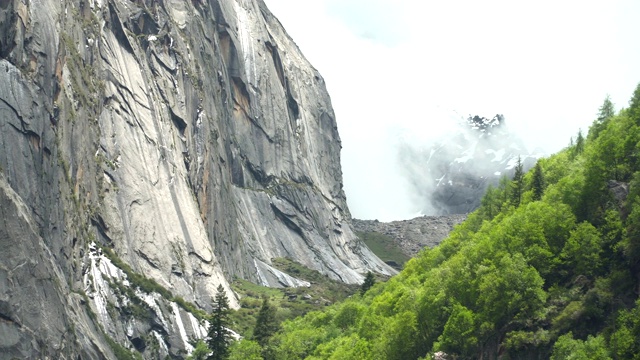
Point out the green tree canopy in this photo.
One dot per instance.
(551, 272)
(245, 350)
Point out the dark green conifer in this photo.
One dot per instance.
(219, 335)
(516, 184)
(605, 112)
(266, 324)
(579, 143)
(369, 281)
(537, 182)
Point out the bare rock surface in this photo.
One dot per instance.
(39, 314)
(415, 234)
(190, 137)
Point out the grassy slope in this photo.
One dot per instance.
(289, 302)
(385, 248)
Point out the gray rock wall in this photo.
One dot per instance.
(40, 315)
(192, 137)
(415, 234)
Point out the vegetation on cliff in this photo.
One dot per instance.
(549, 265)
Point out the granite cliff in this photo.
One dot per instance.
(149, 152)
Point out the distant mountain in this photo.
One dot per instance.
(450, 175)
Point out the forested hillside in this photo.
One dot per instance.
(547, 267)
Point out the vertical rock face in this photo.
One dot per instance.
(38, 311)
(191, 137)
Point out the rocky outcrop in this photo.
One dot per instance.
(415, 234)
(619, 190)
(190, 137)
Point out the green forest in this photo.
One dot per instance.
(547, 267)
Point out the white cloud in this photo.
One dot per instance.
(397, 68)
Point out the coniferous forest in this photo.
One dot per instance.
(547, 267)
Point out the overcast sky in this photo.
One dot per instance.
(397, 70)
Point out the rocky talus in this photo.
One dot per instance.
(149, 152)
(413, 235)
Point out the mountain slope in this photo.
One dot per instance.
(186, 141)
(547, 268)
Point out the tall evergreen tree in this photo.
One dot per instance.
(537, 182)
(266, 324)
(369, 281)
(605, 112)
(579, 143)
(516, 183)
(219, 333)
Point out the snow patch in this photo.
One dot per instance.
(512, 163)
(498, 156)
(463, 159)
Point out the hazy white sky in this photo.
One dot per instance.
(397, 69)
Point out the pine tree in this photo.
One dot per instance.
(605, 112)
(516, 184)
(579, 143)
(266, 324)
(219, 333)
(537, 182)
(369, 281)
